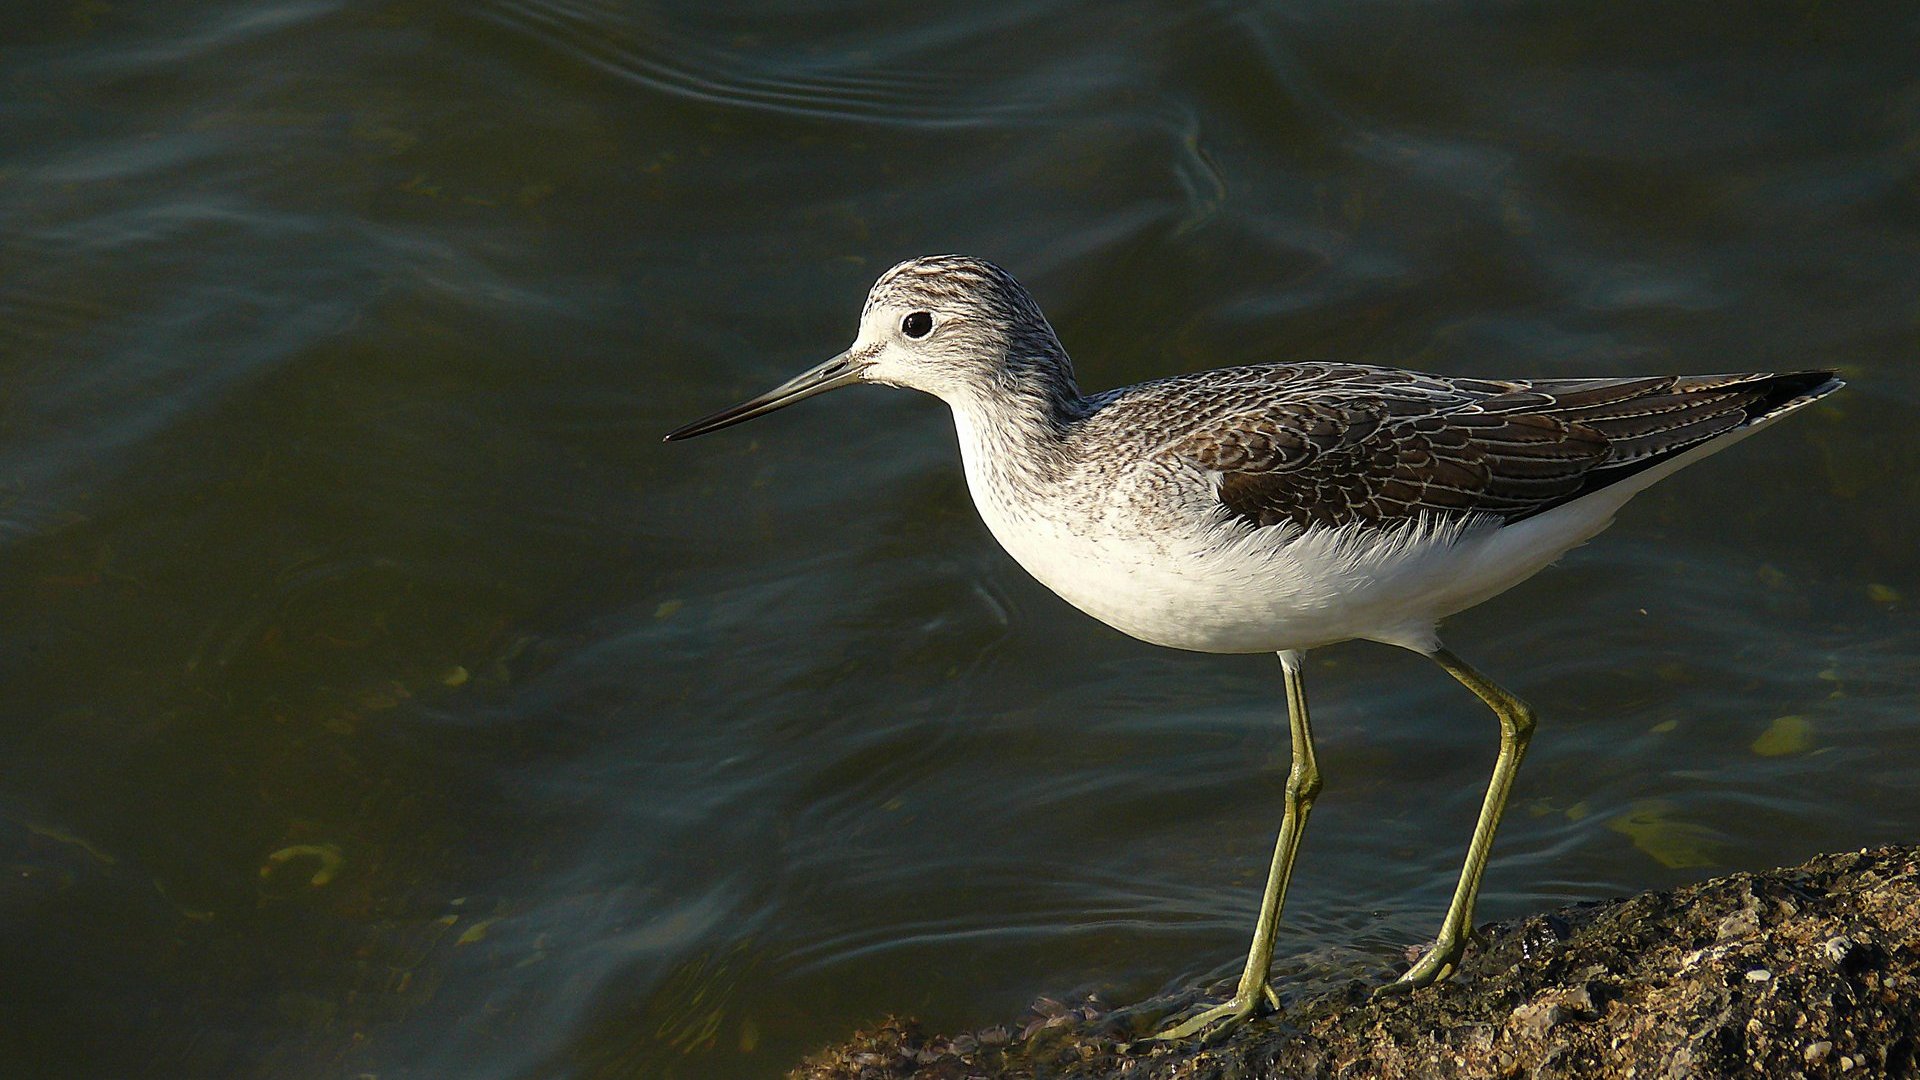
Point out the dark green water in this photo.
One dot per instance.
(379, 696)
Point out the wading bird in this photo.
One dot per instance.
(1280, 507)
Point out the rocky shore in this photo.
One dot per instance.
(1810, 970)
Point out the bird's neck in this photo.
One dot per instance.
(1014, 430)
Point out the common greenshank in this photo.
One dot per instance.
(1280, 507)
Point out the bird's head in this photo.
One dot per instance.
(953, 326)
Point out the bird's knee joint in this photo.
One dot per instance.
(1520, 721)
(1303, 786)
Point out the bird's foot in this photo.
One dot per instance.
(1222, 1018)
(1440, 962)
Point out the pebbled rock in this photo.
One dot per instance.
(1812, 970)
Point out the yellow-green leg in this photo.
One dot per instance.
(1303, 784)
(1516, 729)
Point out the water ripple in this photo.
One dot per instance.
(900, 88)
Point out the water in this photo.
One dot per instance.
(379, 696)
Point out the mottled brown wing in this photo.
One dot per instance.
(1381, 461)
(1507, 450)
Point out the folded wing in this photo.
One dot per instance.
(1347, 449)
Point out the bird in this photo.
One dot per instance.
(1282, 507)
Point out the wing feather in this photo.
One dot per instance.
(1380, 446)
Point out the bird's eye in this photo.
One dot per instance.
(918, 324)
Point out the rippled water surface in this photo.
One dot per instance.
(378, 695)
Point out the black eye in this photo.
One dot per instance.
(917, 325)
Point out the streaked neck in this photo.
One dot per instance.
(1013, 431)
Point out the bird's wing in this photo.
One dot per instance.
(1364, 450)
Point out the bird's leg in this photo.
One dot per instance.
(1516, 729)
(1303, 783)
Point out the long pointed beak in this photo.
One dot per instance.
(836, 372)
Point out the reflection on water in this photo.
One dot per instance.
(381, 697)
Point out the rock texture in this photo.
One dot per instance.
(1812, 970)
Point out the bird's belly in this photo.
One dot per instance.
(1221, 601)
(1204, 612)
(1270, 590)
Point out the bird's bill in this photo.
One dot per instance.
(836, 372)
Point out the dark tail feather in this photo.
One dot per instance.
(1649, 421)
(1777, 393)
(1654, 423)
